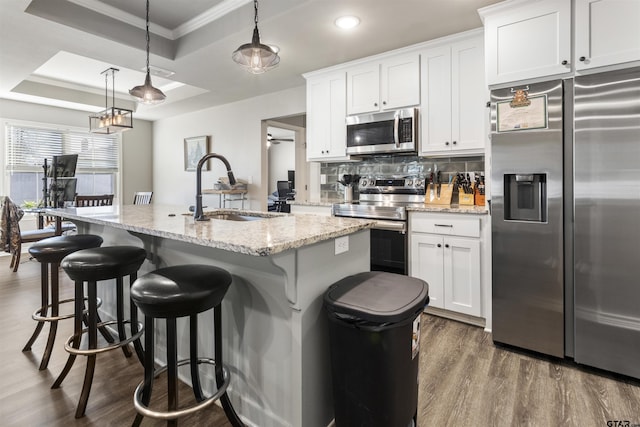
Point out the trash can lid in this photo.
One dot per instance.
(377, 296)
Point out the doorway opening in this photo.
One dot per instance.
(284, 161)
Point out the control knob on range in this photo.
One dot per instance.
(363, 183)
(409, 182)
(419, 183)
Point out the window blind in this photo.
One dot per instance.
(27, 147)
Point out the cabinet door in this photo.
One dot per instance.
(607, 32)
(363, 89)
(337, 144)
(318, 117)
(531, 40)
(469, 95)
(462, 275)
(400, 82)
(426, 264)
(326, 111)
(435, 111)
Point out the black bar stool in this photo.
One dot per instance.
(49, 252)
(169, 293)
(92, 266)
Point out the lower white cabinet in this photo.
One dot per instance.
(449, 263)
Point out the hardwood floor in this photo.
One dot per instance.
(464, 379)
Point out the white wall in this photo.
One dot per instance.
(236, 133)
(136, 145)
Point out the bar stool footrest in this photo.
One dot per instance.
(145, 411)
(91, 351)
(38, 317)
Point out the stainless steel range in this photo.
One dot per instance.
(385, 199)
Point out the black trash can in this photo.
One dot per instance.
(374, 332)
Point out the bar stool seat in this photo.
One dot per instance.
(171, 293)
(92, 266)
(49, 253)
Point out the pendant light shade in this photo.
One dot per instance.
(147, 94)
(256, 57)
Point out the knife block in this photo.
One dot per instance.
(431, 197)
(465, 199)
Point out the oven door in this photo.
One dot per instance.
(389, 247)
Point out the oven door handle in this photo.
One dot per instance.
(400, 226)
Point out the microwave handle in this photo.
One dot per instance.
(396, 126)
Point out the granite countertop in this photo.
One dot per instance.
(323, 202)
(273, 233)
(477, 210)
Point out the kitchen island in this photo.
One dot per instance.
(274, 328)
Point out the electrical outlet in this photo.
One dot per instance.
(342, 244)
(250, 180)
(323, 178)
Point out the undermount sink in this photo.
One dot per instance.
(233, 217)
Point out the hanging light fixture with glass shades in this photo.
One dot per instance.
(112, 119)
(256, 57)
(147, 94)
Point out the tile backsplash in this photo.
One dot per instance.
(399, 166)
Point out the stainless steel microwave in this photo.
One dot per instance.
(385, 132)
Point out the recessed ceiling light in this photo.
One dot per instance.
(347, 22)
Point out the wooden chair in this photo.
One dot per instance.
(142, 197)
(12, 237)
(100, 200)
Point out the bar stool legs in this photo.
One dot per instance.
(49, 252)
(224, 399)
(91, 266)
(182, 292)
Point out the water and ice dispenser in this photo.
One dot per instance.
(525, 197)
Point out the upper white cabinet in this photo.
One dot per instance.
(526, 39)
(389, 84)
(326, 111)
(454, 97)
(607, 32)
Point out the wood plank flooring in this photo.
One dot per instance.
(465, 380)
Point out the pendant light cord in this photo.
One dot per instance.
(148, 38)
(255, 7)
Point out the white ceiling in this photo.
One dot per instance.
(53, 51)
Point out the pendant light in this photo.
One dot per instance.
(256, 57)
(112, 119)
(147, 94)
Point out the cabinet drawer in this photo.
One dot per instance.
(453, 225)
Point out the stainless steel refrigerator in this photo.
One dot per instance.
(566, 218)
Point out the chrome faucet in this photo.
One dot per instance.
(197, 214)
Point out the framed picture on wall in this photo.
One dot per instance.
(194, 148)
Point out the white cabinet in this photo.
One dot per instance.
(390, 84)
(526, 39)
(445, 252)
(326, 112)
(454, 97)
(607, 32)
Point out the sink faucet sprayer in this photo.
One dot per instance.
(232, 180)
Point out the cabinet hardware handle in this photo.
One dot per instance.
(384, 102)
(444, 225)
(454, 142)
(375, 104)
(446, 246)
(446, 143)
(565, 62)
(439, 245)
(582, 59)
